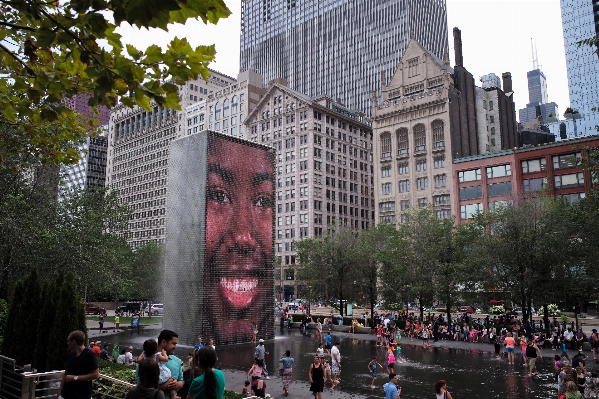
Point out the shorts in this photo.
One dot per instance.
(509, 350)
(532, 361)
(373, 374)
(335, 368)
(327, 346)
(391, 365)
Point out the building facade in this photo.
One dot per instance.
(90, 172)
(484, 181)
(137, 154)
(580, 20)
(324, 168)
(79, 103)
(337, 48)
(413, 144)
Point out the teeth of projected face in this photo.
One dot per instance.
(239, 284)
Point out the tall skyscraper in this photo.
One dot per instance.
(538, 105)
(579, 22)
(338, 48)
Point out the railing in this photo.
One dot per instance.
(18, 382)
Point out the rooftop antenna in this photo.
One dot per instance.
(535, 56)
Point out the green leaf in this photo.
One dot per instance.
(45, 38)
(10, 114)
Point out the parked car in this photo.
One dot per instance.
(128, 308)
(91, 308)
(467, 309)
(155, 309)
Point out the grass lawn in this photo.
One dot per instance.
(126, 321)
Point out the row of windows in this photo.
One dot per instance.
(419, 133)
(421, 184)
(493, 190)
(227, 108)
(421, 165)
(438, 200)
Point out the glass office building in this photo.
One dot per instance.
(580, 20)
(339, 48)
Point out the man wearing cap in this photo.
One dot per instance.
(260, 354)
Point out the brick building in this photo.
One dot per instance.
(506, 177)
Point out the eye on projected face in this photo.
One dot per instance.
(239, 232)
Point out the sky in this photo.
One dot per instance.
(496, 37)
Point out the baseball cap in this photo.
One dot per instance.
(261, 341)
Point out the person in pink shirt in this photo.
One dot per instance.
(523, 345)
(510, 342)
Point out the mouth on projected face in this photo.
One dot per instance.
(239, 292)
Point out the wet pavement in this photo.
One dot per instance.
(471, 370)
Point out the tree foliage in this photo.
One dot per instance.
(57, 49)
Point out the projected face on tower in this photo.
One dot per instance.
(239, 239)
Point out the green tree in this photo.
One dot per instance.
(51, 296)
(414, 257)
(147, 272)
(24, 316)
(328, 264)
(69, 316)
(53, 50)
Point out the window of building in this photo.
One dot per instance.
(419, 137)
(534, 184)
(571, 180)
(413, 67)
(493, 131)
(405, 218)
(422, 183)
(443, 213)
(534, 165)
(492, 119)
(289, 274)
(499, 171)
(469, 175)
(386, 145)
(422, 202)
(497, 205)
(404, 186)
(403, 168)
(566, 160)
(439, 162)
(472, 192)
(468, 211)
(234, 105)
(439, 200)
(438, 134)
(490, 105)
(402, 141)
(387, 206)
(440, 180)
(217, 111)
(499, 189)
(387, 219)
(405, 205)
(571, 198)
(386, 171)
(420, 165)
(386, 188)
(226, 108)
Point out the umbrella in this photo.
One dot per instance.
(493, 301)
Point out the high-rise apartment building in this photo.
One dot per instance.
(580, 20)
(138, 144)
(324, 168)
(337, 48)
(90, 172)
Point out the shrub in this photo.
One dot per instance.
(497, 309)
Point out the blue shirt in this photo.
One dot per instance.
(198, 346)
(391, 391)
(328, 338)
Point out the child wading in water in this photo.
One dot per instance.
(372, 369)
(151, 352)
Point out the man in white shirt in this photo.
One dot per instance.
(335, 365)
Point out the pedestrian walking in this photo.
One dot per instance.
(80, 370)
(117, 323)
(101, 322)
(335, 365)
(261, 353)
(254, 332)
(392, 391)
(531, 354)
(317, 378)
(510, 342)
(287, 362)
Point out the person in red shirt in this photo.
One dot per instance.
(96, 348)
